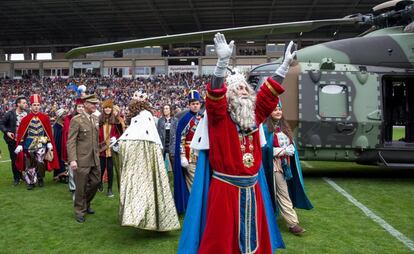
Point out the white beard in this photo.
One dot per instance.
(242, 111)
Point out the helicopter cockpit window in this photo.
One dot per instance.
(256, 81)
(333, 101)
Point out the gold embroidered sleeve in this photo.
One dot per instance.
(271, 88)
(214, 98)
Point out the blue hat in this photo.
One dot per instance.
(279, 104)
(193, 95)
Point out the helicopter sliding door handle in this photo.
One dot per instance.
(345, 127)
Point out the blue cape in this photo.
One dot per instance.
(195, 218)
(57, 136)
(296, 185)
(181, 192)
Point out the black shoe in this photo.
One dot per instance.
(109, 194)
(16, 182)
(30, 186)
(62, 179)
(80, 219)
(90, 211)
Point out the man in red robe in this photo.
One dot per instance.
(65, 134)
(236, 220)
(35, 145)
(78, 109)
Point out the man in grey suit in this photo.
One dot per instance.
(83, 155)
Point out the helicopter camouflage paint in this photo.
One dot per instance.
(343, 98)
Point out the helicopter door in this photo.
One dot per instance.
(339, 110)
(398, 96)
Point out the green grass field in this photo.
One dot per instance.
(41, 221)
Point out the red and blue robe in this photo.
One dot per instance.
(223, 213)
(295, 182)
(187, 124)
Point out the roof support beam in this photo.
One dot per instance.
(166, 29)
(42, 33)
(232, 13)
(82, 16)
(122, 17)
(310, 12)
(195, 15)
(269, 20)
(51, 19)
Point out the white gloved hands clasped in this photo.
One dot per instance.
(49, 146)
(18, 149)
(287, 60)
(290, 150)
(278, 151)
(224, 52)
(113, 143)
(184, 162)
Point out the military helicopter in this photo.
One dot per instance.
(343, 98)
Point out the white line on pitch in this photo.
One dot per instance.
(390, 229)
(4, 161)
(306, 164)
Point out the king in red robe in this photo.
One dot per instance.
(236, 219)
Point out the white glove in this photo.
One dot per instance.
(115, 148)
(184, 162)
(278, 151)
(287, 60)
(113, 142)
(290, 150)
(49, 146)
(73, 165)
(224, 52)
(18, 149)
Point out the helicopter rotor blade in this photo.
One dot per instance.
(233, 33)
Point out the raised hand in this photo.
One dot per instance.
(287, 60)
(224, 52)
(289, 55)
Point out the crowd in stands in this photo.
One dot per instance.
(182, 52)
(252, 52)
(198, 52)
(165, 89)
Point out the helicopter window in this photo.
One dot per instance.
(256, 81)
(333, 101)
